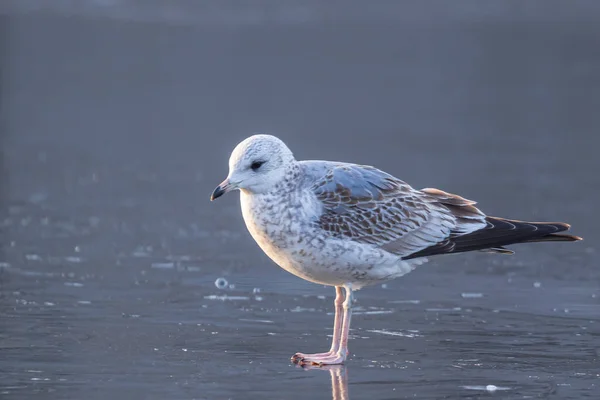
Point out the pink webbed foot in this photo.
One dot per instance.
(299, 356)
(319, 359)
(339, 344)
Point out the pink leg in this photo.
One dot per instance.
(338, 319)
(337, 329)
(347, 318)
(339, 345)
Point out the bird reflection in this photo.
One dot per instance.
(339, 380)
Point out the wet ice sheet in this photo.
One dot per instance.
(409, 334)
(488, 388)
(185, 324)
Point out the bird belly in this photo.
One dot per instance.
(337, 262)
(288, 238)
(311, 254)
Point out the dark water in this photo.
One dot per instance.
(117, 120)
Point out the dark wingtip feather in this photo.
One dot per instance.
(498, 250)
(501, 232)
(557, 237)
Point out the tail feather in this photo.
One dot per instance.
(500, 232)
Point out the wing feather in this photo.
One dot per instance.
(367, 205)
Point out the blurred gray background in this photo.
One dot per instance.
(117, 119)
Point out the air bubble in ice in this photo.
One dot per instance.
(221, 283)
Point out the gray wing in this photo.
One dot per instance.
(367, 205)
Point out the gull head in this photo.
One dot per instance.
(256, 165)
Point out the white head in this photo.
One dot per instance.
(256, 165)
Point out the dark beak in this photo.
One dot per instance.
(220, 190)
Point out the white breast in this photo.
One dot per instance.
(283, 230)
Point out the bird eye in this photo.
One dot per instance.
(256, 165)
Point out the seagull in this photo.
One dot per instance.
(350, 226)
